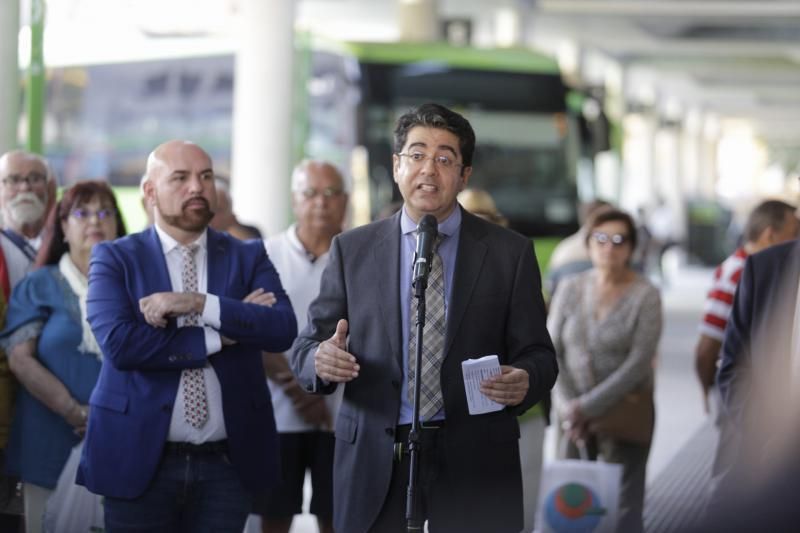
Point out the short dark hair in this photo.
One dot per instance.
(613, 215)
(53, 243)
(768, 214)
(436, 116)
(588, 209)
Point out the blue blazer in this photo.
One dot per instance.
(755, 372)
(758, 336)
(132, 402)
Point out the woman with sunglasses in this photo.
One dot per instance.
(51, 348)
(605, 324)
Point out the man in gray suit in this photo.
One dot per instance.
(489, 301)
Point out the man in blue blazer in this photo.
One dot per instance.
(181, 431)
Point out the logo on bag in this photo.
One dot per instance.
(573, 508)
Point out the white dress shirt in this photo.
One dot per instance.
(214, 428)
(17, 262)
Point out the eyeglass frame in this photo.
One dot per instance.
(615, 239)
(32, 179)
(436, 160)
(102, 214)
(310, 193)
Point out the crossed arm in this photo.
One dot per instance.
(134, 335)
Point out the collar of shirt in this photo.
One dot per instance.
(36, 242)
(168, 243)
(294, 242)
(447, 228)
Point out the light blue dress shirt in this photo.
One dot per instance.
(447, 250)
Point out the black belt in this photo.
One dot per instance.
(429, 432)
(216, 447)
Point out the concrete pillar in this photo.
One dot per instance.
(9, 74)
(638, 147)
(262, 114)
(418, 20)
(668, 180)
(709, 139)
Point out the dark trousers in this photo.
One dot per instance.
(191, 493)
(440, 492)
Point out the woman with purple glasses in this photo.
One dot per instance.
(605, 324)
(50, 348)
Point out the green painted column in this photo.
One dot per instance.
(36, 80)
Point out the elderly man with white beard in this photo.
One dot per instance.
(23, 203)
(25, 194)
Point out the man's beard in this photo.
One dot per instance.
(191, 220)
(25, 208)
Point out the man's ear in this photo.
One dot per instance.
(466, 172)
(767, 237)
(149, 191)
(395, 166)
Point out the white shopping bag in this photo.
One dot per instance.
(71, 508)
(253, 524)
(578, 497)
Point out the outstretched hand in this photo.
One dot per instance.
(332, 362)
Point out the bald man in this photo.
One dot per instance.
(182, 433)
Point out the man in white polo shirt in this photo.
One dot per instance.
(304, 421)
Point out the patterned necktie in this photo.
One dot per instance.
(195, 404)
(430, 393)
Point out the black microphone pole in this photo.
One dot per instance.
(426, 234)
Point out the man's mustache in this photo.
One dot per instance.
(26, 197)
(195, 199)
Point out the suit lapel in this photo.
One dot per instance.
(156, 254)
(217, 265)
(388, 247)
(469, 262)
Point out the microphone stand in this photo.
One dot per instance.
(413, 521)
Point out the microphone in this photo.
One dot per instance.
(427, 230)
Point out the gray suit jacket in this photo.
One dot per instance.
(496, 308)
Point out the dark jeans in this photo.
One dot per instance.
(191, 493)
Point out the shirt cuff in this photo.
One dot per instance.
(211, 311)
(213, 340)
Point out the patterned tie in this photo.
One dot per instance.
(195, 405)
(430, 393)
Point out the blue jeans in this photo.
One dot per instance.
(192, 493)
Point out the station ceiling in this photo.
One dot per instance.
(739, 59)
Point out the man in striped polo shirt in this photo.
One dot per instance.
(771, 222)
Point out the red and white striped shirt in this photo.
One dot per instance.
(720, 297)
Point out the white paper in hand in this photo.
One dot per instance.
(475, 371)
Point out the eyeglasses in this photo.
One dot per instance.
(328, 192)
(83, 214)
(617, 239)
(417, 159)
(33, 179)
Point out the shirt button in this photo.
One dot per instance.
(166, 408)
(171, 358)
(395, 384)
(390, 432)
